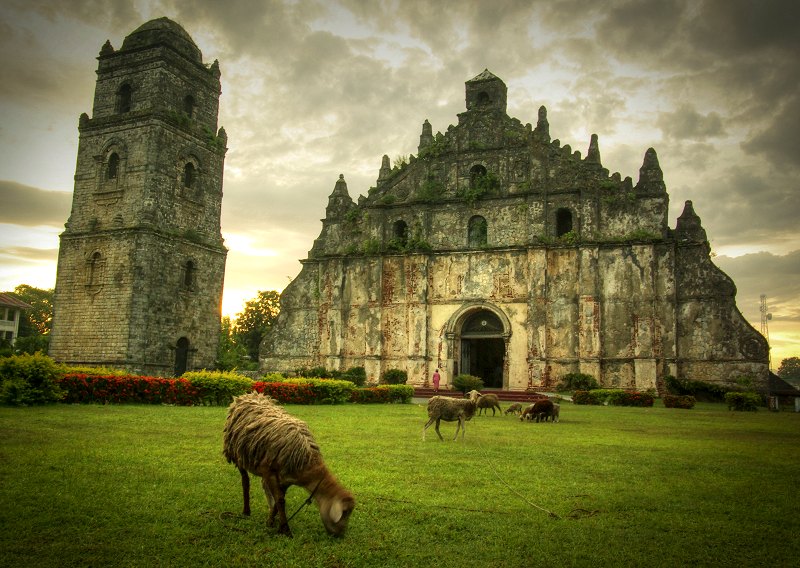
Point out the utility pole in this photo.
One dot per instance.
(765, 317)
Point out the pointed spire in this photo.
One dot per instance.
(593, 155)
(339, 202)
(215, 69)
(107, 48)
(542, 130)
(426, 138)
(651, 178)
(688, 226)
(223, 136)
(385, 170)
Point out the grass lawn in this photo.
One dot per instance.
(148, 486)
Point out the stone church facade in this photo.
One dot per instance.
(500, 253)
(141, 260)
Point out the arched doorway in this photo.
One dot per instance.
(181, 356)
(483, 348)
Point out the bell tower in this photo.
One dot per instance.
(141, 260)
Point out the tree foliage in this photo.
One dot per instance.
(40, 319)
(789, 368)
(255, 322)
(231, 355)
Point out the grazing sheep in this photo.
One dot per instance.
(485, 401)
(537, 411)
(515, 408)
(263, 439)
(449, 410)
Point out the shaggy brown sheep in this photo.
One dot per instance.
(263, 439)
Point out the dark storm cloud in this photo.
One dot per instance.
(764, 273)
(687, 123)
(30, 206)
(744, 206)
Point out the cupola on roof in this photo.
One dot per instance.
(163, 31)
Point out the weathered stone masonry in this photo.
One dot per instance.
(141, 261)
(498, 252)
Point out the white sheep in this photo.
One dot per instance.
(485, 401)
(263, 439)
(449, 410)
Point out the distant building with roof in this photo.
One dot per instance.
(11, 311)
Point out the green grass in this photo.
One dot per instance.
(148, 486)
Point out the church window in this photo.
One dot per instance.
(189, 175)
(476, 173)
(477, 231)
(401, 232)
(563, 221)
(124, 99)
(189, 106)
(189, 275)
(113, 166)
(482, 98)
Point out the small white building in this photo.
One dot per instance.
(11, 311)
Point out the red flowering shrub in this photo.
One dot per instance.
(678, 401)
(82, 388)
(287, 393)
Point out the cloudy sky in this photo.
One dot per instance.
(315, 88)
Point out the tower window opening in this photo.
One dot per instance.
(482, 99)
(189, 275)
(189, 175)
(563, 222)
(476, 173)
(124, 99)
(189, 106)
(113, 166)
(477, 231)
(400, 232)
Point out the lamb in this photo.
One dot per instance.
(539, 410)
(485, 401)
(515, 408)
(260, 437)
(449, 410)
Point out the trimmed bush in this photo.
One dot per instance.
(356, 375)
(217, 388)
(678, 401)
(701, 390)
(466, 383)
(326, 391)
(29, 379)
(81, 388)
(614, 397)
(577, 381)
(743, 401)
(286, 392)
(395, 377)
(585, 397)
(383, 394)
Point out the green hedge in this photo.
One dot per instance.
(34, 379)
(744, 401)
(383, 394)
(613, 397)
(217, 388)
(29, 379)
(466, 383)
(678, 401)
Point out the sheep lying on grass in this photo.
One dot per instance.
(515, 408)
(449, 410)
(537, 411)
(485, 401)
(263, 439)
